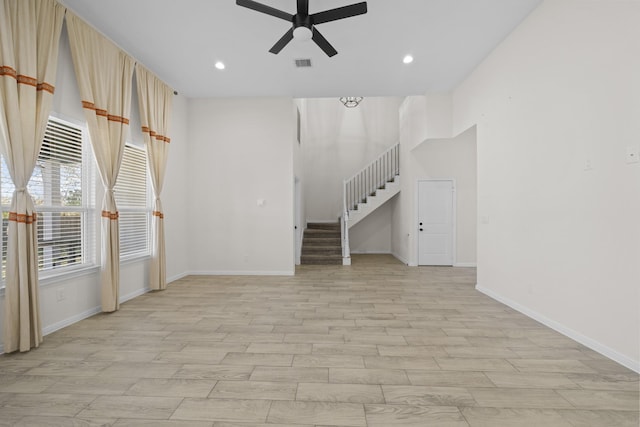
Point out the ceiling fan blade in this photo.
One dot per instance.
(303, 7)
(323, 43)
(339, 13)
(259, 7)
(280, 44)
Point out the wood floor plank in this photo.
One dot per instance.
(413, 416)
(520, 417)
(45, 404)
(49, 421)
(519, 398)
(348, 393)
(253, 359)
(171, 387)
(25, 383)
(328, 361)
(318, 413)
(428, 396)
(599, 417)
(603, 399)
(296, 374)
(367, 376)
(254, 390)
(233, 410)
(449, 378)
(159, 408)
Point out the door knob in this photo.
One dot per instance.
(421, 229)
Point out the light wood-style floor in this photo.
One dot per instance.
(376, 344)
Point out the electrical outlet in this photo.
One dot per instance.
(60, 295)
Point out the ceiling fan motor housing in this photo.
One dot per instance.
(302, 21)
(302, 27)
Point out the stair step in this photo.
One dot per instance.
(323, 226)
(321, 259)
(325, 238)
(321, 250)
(321, 232)
(329, 241)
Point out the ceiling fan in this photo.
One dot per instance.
(303, 24)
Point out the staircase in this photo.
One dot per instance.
(367, 190)
(321, 244)
(374, 201)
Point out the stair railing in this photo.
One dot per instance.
(363, 184)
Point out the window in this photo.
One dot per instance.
(132, 198)
(62, 192)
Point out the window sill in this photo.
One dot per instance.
(53, 279)
(134, 258)
(71, 274)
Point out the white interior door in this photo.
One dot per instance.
(435, 222)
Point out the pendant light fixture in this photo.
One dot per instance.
(351, 101)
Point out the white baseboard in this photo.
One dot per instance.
(133, 294)
(401, 259)
(465, 264)
(594, 345)
(321, 221)
(88, 313)
(70, 321)
(176, 277)
(242, 273)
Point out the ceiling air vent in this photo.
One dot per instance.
(302, 63)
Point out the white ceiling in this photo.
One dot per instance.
(181, 41)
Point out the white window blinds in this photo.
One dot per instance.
(132, 199)
(60, 190)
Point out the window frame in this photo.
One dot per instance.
(86, 209)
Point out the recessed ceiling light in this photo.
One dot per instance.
(220, 65)
(408, 59)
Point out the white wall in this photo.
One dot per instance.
(338, 142)
(454, 158)
(428, 151)
(412, 116)
(240, 151)
(299, 174)
(82, 289)
(439, 111)
(558, 239)
(174, 196)
(372, 235)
